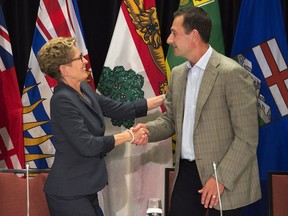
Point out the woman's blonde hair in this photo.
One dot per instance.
(54, 53)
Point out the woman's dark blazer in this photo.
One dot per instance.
(78, 131)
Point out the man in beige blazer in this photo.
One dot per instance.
(211, 106)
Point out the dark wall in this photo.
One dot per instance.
(98, 20)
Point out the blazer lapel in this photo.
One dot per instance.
(207, 84)
(94, 106)
(180, 97)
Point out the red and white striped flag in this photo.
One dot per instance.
(134, 69)
(55, 18)
(11, 137)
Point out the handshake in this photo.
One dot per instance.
(140, 134)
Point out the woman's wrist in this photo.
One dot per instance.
(123, 137)
(155, 101)
(132, 135)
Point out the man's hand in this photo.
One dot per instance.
(209, 193)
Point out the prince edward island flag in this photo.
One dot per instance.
(260, 45)
(135, 69)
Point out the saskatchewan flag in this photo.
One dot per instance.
(216, 39)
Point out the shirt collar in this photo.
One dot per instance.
(202, 63)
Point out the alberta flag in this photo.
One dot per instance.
(216, 39)
(55, 18)
(11, 138)
(260, 45)
(135, 69)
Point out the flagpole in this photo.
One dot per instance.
(27, 189)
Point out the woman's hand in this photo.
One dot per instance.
(156, 101)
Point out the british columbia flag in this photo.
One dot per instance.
(55, 19)
(11, 137)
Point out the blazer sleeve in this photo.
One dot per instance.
(118, 110)
(163, 127)
(242, 104)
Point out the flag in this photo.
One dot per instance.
(134, 68)
(216, 39)
(260, 45)
(11, 137)
(55, 18)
